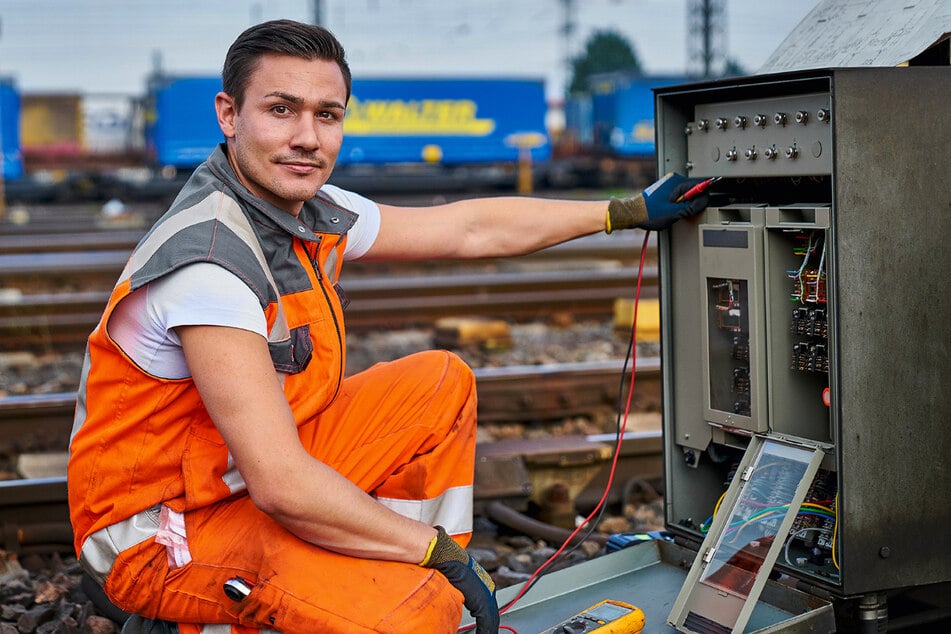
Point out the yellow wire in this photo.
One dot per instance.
(818, 506)
(835, 531)
(719, 502)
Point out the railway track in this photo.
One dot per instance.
(55, 280)
(50, 298)
(34, 516)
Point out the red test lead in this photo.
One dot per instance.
(697, 189)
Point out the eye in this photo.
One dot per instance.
(329, 115)
(280, 109)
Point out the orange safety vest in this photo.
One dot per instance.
(153, 422)
(141, 443)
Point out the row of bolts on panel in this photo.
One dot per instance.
(760, 120)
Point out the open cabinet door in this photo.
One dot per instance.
(747, 535)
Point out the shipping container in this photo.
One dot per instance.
(408, 120)
(181, 124)
(445, 121)
(579, 122)
(111, 125)
(11, 165)
(622, 112)
(51, 129)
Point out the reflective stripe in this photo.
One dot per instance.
(224, 628)
(452, 510)
(232, 477)
(330, 264)
(100, 549)
(242, 228)
(79, 415)
(225, 210)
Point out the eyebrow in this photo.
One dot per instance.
(299, 100)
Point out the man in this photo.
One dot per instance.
(222, 469)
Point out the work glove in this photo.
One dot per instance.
(468, 577)
(656, 207)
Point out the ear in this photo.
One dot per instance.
(226, 111)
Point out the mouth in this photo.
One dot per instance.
(302, 166)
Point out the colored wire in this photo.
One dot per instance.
(621, 426)
(798, 274)
(789, 541)
(835, 532)
(719, 502)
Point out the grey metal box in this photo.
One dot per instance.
(869, 182)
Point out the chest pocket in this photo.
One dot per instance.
(292, 355)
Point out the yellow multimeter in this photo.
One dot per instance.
(607, 617)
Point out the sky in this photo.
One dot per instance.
(111, 46)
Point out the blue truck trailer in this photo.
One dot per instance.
(12, 160)
(622, 112)
(608, 140)
(447, 122)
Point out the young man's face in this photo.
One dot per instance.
(284, 141)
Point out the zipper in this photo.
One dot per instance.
(312, 249)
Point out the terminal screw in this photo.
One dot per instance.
(760, 120)
(770, 152)
(751, 154)
(703, 124)
(779, 118)
(722, 123)
(802, 117)
(731, 154)
(823, 115)
(739, 121)
(792, 152)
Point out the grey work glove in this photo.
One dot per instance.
(468, 577)
(655, 208)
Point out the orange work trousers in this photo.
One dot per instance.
(402, 430)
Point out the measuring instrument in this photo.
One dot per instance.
(606, 617)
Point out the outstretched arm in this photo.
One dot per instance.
(482, 227)
(506, 226)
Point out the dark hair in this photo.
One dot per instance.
(281, 37)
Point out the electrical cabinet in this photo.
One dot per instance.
(806, 336)
(805, 358)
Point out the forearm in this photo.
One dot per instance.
(308, 497)
(322, 507)
(514, 225)
(483, 227)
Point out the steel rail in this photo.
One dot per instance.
(34, 515)
(51, 320)
(620, 245)
(523, 392)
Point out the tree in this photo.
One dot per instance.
(605, 52)
(733, 69)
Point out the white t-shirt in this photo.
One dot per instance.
(205, 294)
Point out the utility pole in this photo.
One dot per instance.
(318, 7)
(706, 38)
(567, 34)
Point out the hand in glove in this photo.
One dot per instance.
(471, 579)
(655, 208)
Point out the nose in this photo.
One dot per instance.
(306, 136)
